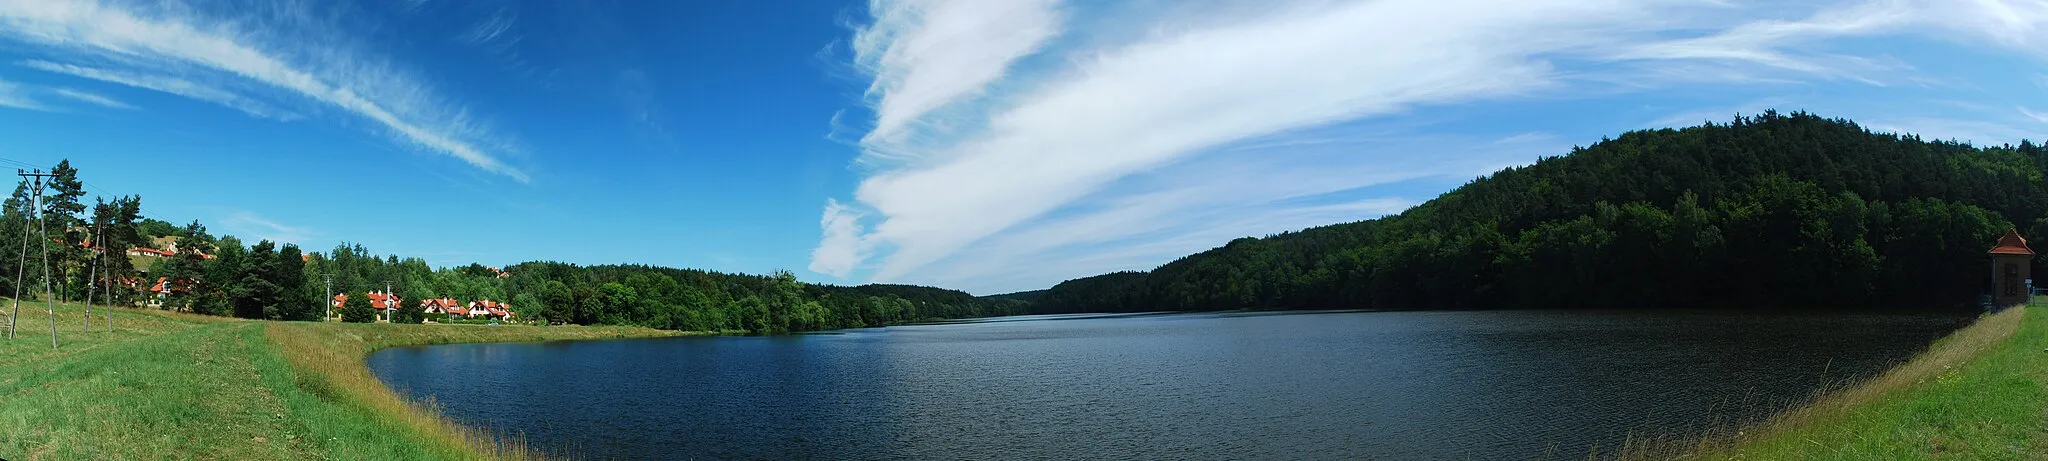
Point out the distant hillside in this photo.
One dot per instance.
(690, 299)
(1771, 211)
(1024, 296)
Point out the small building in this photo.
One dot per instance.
(2011, 270)
(440, 306)
(488, 308)
(147, 251)
(165, 287)
(384, 303)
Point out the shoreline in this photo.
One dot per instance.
(328, 363)
(1924, 406)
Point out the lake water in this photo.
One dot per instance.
(1402, 385)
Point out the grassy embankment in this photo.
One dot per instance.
(174, 386)
(1980, 393)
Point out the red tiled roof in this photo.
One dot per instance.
(152, 251)
(382, 301)
(2012, 244)
(164, 285)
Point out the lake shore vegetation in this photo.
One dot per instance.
(168, 385)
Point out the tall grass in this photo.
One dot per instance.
(179, 386)
(1975, 394)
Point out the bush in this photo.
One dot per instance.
(357, 309)
(408, 313)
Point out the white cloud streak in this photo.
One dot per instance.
(93, 98)
(11, 95)
(1144, 105)
(927, 54)
(841, 250)
(261, 228)
(174, 38)
(171, 85)
(489, 29)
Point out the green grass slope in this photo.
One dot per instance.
(171, 386)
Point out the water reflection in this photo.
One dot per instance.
(1186, 386)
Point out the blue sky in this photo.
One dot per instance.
(984, 145)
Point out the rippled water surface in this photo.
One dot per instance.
(1403, 385)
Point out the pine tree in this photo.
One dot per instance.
(61, 210)
(357, 309)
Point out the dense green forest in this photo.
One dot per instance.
(1773, 211)
(222, 275)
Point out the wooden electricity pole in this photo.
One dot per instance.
(35, 218)
(20, 270)
(91, 273)
(35, 178)
(327, 280)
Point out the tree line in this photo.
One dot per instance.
(1773, 211)
(223, 275)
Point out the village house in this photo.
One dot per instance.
(488, 308)
(440, 306)
(164, 287)
(147, 251)
(384, 303)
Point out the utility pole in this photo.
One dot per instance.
(20, 270)
(43, 228)
(110, 285)
(92, 273)
(328, 281)
(110, 292)
(390, 306)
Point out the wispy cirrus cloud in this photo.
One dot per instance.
(92, 98)
(165, 46)
(842, 249)
(1033, 151)
(12, 95)
(258, 227)
(171, 85)
(927, 54)
(490, 28)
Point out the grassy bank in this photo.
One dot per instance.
(1977, 394)
(171, 386)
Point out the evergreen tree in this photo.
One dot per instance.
(298, 297)
(357, 309)
(409, 312)
(62, 208)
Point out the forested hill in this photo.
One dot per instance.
(1771, 211)
(112, 253)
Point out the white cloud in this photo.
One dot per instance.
(926, 54)
(842, 248)
(170, 85)
(174, 40)
(258, 227)
(1147, 104)
(94, 98)
(490, 28)
(11, 95)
